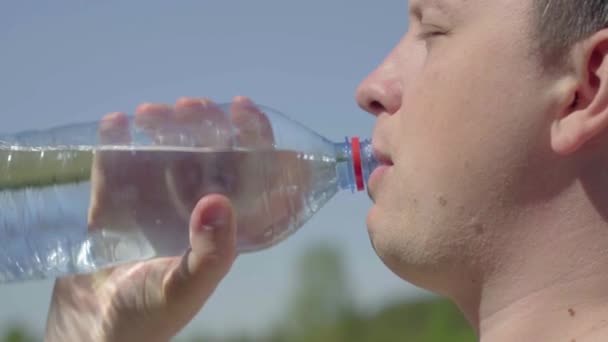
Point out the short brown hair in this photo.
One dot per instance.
(562, 23)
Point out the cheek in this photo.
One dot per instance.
(463, 128)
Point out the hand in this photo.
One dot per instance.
(154, 192)
(149, 300)
(152, 300)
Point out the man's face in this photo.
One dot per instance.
(461, 113)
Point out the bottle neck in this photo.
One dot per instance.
(355, 162)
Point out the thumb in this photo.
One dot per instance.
(213, 250)
(212, 239)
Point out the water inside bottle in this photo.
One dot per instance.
(78, 209)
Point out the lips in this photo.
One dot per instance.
(384, 164)
(382, 158)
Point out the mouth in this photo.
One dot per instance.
(383, 158)
(384, 164)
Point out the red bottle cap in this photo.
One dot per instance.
(356, 147)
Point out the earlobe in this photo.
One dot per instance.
(584, 115)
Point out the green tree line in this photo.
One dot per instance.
(321, 310)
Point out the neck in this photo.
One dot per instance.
(552, 280)
(575, 310)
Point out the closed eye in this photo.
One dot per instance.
(430, 32)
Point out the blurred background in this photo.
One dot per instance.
(70, 61)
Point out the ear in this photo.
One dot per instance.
(584, 115)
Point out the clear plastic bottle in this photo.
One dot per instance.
(74, 199)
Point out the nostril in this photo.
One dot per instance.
(376, 107)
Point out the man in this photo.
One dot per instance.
(492, 120)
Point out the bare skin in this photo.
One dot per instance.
(133, 302)
(494, 187)
(495, 194)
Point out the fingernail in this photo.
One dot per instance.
(216, 218)
(207, 228)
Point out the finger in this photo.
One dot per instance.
(254, 128)
(213, 250)
(155, 120)
(114, 129)
(203, 122)
(212, 237)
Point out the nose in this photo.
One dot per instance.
(381, 91)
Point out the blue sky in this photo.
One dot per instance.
(75, 60)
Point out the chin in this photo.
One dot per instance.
(386, 240)
(406, 253)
